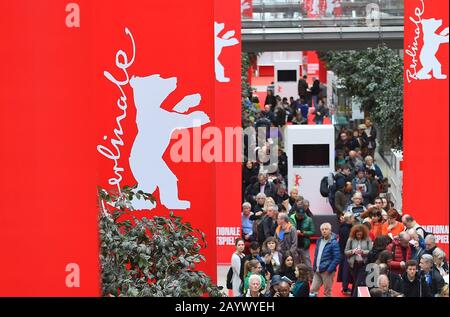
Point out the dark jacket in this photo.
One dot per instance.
(417, 288)
(331, 255)
(307, 227)
(254, 190)
(437, 282)
(344, 233)
(302, 87)
(289, 241)
(300, 289)
(342, 200)
(268, 228)
(271, 100)
(315, 89)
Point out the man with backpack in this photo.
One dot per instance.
(410, 223)
(332, 183)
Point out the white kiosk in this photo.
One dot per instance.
(310, 152)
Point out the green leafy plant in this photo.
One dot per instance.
(151, 257)
(375, 77)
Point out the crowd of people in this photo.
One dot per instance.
(374, 246)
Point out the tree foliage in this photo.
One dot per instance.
(375, 77)
(151, 257)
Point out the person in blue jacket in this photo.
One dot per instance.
(326, 258)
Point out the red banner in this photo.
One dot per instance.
(426, 160)
(246, 8)
(227, 117)
(92, 93)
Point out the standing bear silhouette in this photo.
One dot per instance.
(155, 127)
(431, 43)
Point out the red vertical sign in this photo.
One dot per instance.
(426, 160)
(227, 119)
(69, 90)
(247, 8)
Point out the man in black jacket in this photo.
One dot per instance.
(262, 186)
(432, 276)
(268, 224)
(302, 87)
(413, 283)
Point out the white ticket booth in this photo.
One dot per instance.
(310, 152)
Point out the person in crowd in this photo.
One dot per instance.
(355, 161)
(255, 285)
(440, 262)
(287, 267)
(271, 244)
(302, 87)
(370, 165)
(343, 144)
(321, 112)
(343, 198)
(282, 163)
(253, 267)
(273, 286)
(284, 290)
(444, 291)
(401, 252)
(392, 227)
(306, 207)
(293, 195)
(254, 255)
(430, 244)
(297, 205)
(371, 134)
(357, 207)
(359, 183)
(344, 267)
(376, 223)
(326, 258)
(258, 208)
(271, 101)
(279, 116)
(280, 195)
(236, 261)
(247, 224)
(268, 114)
(286, 234)
(340, 159)
(266, 255)
(432, 276)
(269, 223)
(383, 289)
(368, 225)
(413, 284)
(315, 91)
(395, 279)
(417, 245)
(379, 245)
(305, 229)
(410, 223)
(372, 188)
(357, 248)
(249, 172)
(262, 186)
(377, 207)
(301, 286)
(303, 109)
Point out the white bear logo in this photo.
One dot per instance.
(431, 43)
(220, 42)
(155, 127)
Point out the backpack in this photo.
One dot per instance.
(324, 187)
(230, 278)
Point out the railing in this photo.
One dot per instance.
(295, 13)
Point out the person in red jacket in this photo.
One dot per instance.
(401, 253)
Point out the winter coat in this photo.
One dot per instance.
(437, 282)
(344, 233)
(417, 288)
(365, 245)
(302, 87)
(331, 255)
(289, 241)
(301, 289)
(397, 256)
(342, 200)
(307, 227)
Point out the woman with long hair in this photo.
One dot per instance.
(357, 248)
(301, 286)
(287, 267)
(236, 266)
(253, 267)
(271, 244)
